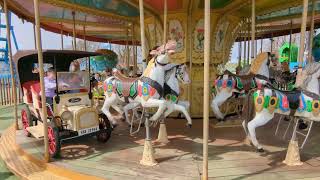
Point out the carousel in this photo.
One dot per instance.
(173, 121)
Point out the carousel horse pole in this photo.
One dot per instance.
(302, 103)
(228, 83)
(174, 75)
(171, 94)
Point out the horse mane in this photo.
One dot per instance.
(309, 70)
(170, 70)
(257, 63)
(151, 64)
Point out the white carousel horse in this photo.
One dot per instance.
(145, 90)
(174, 75)
(227, 84)
(302, 103)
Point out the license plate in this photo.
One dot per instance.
(88, 130)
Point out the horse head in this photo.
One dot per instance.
(162, 53)
(182, 74)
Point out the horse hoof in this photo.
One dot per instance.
(190, 126)
(114, 126)
(260, 150)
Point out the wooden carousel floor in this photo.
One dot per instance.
(181, 158)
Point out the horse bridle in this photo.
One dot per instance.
(156, 59)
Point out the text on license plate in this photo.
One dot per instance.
(88, 130)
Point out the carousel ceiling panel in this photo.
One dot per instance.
(54, 18)
(55, 12)
(114, 6)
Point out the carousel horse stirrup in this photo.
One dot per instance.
(285, 133)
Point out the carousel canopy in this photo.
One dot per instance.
(116, 21)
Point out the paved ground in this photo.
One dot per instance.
(5, 121)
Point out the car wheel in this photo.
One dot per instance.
(54, 141)
(104, 133)
(26, 120)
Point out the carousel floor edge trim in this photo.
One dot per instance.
(27, 166)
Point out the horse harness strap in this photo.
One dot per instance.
(153, 84)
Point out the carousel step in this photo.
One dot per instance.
(36, 131)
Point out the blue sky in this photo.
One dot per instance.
(25, 37)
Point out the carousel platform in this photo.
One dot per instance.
(181, 158)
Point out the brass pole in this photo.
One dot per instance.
(244, 48)
(127, 50)
(206, 88)
(13, 80)
(165, 21)
(271, 44)
(290, 41)
(85, 34)
(248, 56)
(303, 32)
(261, 45)
(311, 31)
(143, 41)
(190, 50)
(253, 29)
(34, 36)
(74, 31)
(61, 32)
(240, 49)
(134, 47)
(41, 73)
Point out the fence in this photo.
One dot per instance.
(6, 92)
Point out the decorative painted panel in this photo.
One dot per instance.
(221, 35)
(176, 33)
(198, 36)
(154, 35)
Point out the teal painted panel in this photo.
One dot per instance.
(113, 6)
(287, 12)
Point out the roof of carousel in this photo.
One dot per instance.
(116, 20)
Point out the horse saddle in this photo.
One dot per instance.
(246, 80)
(293, 98)
(125, 81)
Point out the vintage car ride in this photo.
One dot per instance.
(73, 113)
